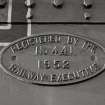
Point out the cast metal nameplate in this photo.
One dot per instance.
(53, 59)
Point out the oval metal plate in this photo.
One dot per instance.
(53, 59)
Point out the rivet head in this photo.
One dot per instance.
(29, 14)
(87, 3)
(57, 3)
(87, 15)
(30, 3)
(3, 3)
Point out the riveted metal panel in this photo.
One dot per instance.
(47, 18)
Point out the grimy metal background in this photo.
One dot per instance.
(19, 18)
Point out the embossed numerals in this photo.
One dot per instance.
(60, 63)
(55, 64)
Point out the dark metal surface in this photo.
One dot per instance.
(71, 11)
(47, 18)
